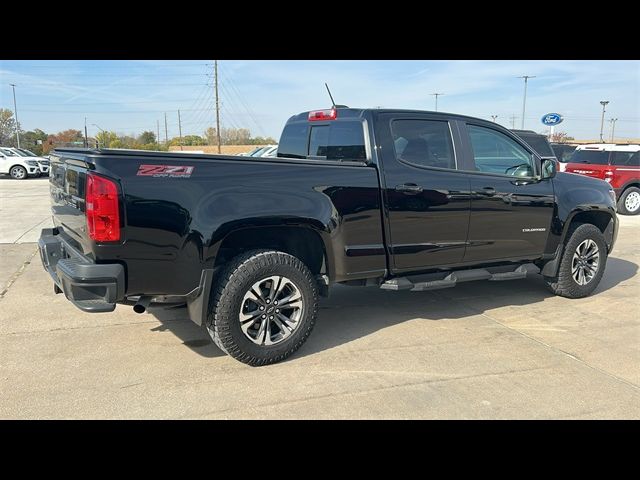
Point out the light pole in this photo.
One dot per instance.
(86, 139)
(524, 99)
(604, 104)
(613, 128)
(15, 113)
(493, 117)
(105, 134)
(437, 95)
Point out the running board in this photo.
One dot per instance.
(452, 279)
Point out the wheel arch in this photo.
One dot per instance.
(306, 240)
(603, 219)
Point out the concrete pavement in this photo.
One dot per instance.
(480, 350)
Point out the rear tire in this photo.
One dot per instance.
(249, 326)
(18, 172)
(629, 201)
(583, 262)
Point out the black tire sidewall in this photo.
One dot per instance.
(565, 277)
(622, 207)
(227, 311)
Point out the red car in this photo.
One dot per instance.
(616, 164)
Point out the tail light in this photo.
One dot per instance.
(608, 176)
(102, 209)
(318, 115)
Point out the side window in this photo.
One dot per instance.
(337, 141)
(293, 141)
(495, 152)
(628, 159)
(426, 143)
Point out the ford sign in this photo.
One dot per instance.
(552, 119)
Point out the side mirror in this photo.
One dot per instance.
(549, 167)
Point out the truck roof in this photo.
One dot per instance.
(361, 112)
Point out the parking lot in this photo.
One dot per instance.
(480, 350)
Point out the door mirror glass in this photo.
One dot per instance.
(549, 167)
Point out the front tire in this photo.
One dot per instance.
(264, 305)
(18, 172)
(629, 202)
(583, 263)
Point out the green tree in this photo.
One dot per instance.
(7, 128)
(108, 140)
(147, 137)
(188, 140)
(29, 140)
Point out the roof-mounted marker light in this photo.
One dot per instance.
(317, 115)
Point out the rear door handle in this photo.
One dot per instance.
(409, 188)
(486, 192)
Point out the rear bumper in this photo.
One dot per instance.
(89, 286)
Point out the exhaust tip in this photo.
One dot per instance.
(139, 308)
(142, 304)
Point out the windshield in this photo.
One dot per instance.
(9, 153)
(259, 152)
(27, 152)
(593, 157)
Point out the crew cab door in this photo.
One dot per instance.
(511, 208)
(426, 196)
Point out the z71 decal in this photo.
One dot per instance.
(165, 171)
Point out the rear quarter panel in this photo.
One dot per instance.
(175, 225)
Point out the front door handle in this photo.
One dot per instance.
(486, 192)
(409, 188)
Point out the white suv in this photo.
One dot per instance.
(43, 162)
(17, 166)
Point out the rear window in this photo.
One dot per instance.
(293, 141)
(336, 141)
(593, 157)
(539, 144)
(627, 159)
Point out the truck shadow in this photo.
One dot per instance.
(351, 313)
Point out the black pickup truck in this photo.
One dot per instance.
(390, 198)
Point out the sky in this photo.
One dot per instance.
(131, 96)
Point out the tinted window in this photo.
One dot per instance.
(629, 159)
(594, 157)
(540, 144)
(318, 141)
(495, 152)
(293, 141)
(337, 141)
(563, 152)
(426, 143)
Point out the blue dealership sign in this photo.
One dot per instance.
(552, 119)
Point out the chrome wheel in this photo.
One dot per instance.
(271, 310)
(632, 202)
(585, 262)
(18, 173)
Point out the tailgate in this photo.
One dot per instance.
(67, 181)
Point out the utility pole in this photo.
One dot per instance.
(215, 75)
(604, 104)
(15, 113)
(513, 121)
(166, 134)
(437, 95)
(158, 131)
(86, 138)
(613, 128)
(524, 99)
(180, 128)
(493, 117)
